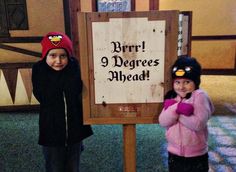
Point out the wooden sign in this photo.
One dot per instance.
(125, 63)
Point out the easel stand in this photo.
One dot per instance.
(102, 73)
(129, 138)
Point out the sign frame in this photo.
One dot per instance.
(128, 113)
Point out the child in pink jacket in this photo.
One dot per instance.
(187, 108)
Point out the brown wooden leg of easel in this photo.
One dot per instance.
(129, 140)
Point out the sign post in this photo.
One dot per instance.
(129, 139)
(125, 62)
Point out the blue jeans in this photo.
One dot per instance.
(62, 159)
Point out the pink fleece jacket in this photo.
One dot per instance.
(187, 136)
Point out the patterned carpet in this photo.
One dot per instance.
(19, 151)
(222, 151)
(222, 128)
(222, 144)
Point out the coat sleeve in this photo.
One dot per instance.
(76, 73)
(203, 108)
(35, 82)
(79, 79)
(168, 117)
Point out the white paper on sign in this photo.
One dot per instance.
(128, 56)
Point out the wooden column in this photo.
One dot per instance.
(129, 141)
(153, 4)
(74, 8)
(133, 5)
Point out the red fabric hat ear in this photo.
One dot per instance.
(55, 40)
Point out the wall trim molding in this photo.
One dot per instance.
(213, 37)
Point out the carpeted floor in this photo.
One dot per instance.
(19, 151)
(222, 150)
(103, 152)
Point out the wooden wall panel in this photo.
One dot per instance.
(11, 78)
(16, 87)
(5, 99)
(21, 97)
(33, 100)
(26, 78)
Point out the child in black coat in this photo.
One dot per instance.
(57, 85)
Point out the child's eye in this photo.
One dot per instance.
(187, 82)
(53, 55)
(63, 56)
(177, 82)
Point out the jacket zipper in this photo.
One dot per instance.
(66, 122)
(181, 144)
(181, 137)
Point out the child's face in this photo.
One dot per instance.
(183, 86)
(57, 59)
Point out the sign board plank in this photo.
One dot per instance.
(125, 62)
(128, 60)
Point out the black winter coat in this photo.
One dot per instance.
(60, 96)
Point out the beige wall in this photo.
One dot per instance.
(86, 5)
(142, 5)
(43, 17)
(210, 18)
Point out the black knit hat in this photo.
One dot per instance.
(187, 67)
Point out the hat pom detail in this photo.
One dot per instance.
(56, 40)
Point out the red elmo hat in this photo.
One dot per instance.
(55, 40)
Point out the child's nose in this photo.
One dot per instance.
(58, 59)
(182, 86)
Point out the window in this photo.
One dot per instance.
(3, 20)
(113, 5)
(13, 15)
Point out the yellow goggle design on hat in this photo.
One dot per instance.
(181, 72)
(55, 39)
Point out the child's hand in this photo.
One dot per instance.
(169, 102)
(184, 109)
